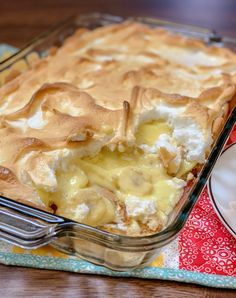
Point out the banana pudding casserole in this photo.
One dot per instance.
(111, 128)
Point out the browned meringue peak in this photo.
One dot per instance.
(66, 107)
(12, 188)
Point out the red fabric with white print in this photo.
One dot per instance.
(205, 245)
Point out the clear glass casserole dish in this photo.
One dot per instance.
(31, 228)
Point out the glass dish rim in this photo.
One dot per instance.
(175, 227)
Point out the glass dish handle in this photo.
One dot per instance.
(26, 226)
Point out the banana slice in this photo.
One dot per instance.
(134, 181)
(79, 179)
(94, 206)
(69, 183)
(97, 175)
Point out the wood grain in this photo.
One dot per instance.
(22, 20)
(25, 282)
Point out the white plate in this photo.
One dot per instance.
(222, 188)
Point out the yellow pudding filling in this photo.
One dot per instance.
(91, 189)
(149, 132)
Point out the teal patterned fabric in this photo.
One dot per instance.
(6, 48)
(81, 266)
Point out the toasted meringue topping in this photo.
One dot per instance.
(103, 126)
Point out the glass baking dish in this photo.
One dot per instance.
(31, 228)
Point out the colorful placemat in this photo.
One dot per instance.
(6, 51)
(204, 252)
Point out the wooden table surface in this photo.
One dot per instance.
(22, 20)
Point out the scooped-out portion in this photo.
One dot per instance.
(131, 192)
